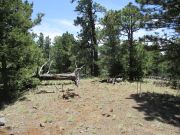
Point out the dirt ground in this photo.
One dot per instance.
(100, 108)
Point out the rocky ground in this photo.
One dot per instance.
(94, 108)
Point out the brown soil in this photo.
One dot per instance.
(99, 108)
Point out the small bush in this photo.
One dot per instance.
(30, 82)
(175, 84)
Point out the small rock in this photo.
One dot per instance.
(2, 121)
(34, 107)
(41, 125)
(123, 132)
(111, 110)
(87, 128)
(140, 124)
(2, 124)
(9, 128)
(66, 111)
(108, 115)
(114, 117)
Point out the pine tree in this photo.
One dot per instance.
(63, 52)
(164, 14)
(87, 10)
(18, 52)
(161, 13)
(111, 47)
(131, 21)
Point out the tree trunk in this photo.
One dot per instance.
(92, 62)
(4, 77)
(96, 68)
(130, 38)
(93, 41)
(71, 76)
(66, 76)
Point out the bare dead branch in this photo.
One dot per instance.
(49, 67)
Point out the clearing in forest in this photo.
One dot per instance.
(97, 108)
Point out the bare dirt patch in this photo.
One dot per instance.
(99, 108)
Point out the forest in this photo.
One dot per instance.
(105, 48)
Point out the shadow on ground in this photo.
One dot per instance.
(10, 99)
(161, 107)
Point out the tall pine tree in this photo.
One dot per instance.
(131, 21)
(87, 18)
(110, 49)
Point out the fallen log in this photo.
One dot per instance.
(65, 76)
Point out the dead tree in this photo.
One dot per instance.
(74, 76)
